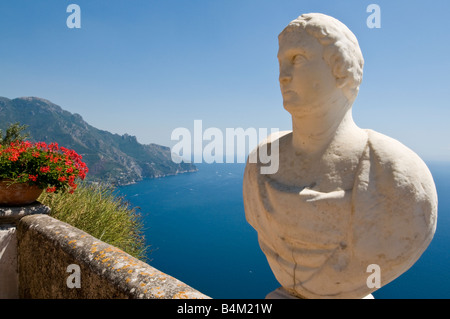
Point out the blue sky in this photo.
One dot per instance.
(147, 67)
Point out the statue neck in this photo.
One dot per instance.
(313, 135)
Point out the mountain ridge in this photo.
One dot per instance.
(111, 158)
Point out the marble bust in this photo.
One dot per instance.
(343, 197)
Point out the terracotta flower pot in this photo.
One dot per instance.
(18, 194)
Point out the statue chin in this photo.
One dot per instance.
(297, 110)
(326, 219)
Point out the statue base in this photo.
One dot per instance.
(281, 293)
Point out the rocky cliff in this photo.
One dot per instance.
(113, 158)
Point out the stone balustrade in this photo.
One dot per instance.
(42, 257)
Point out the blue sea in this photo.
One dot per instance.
(196, 228)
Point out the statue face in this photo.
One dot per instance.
(306, 80)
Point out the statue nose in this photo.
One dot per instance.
(285, 79)
(285, 75)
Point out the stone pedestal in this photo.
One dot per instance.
(281, 293)
(9, 217)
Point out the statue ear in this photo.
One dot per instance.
(342, 82)
(346, 85)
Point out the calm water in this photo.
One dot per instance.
(196, 227)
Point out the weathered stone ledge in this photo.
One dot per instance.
(47, 247)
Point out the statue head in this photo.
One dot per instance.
(339, 49)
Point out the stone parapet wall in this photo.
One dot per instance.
(9, 217)
(56, 260)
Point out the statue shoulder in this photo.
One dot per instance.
(394, 188)
(398, 161)
(279, 137)
(395, 206)
(258, 164)
(264, 158)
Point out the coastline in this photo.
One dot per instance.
(135, 181)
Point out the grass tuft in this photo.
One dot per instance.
(99, 211)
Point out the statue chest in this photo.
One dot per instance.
(305, 217)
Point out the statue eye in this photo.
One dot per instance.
(298, 59)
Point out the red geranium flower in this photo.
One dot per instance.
(40, 165)
(45, 169)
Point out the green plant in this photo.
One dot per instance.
(13, 134)
(97, 210)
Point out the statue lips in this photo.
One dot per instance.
(287, 93)
(285, 88)
(289, 96)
